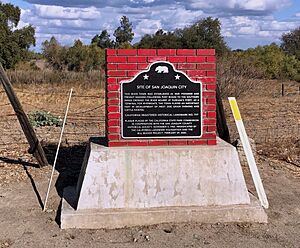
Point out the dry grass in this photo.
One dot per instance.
(86, 79)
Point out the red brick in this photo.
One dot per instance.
(111, 80)
(186, 52)
(209, 122)
(143, 66)
(211, 87)
(127, 66)
(113, 129)
(113, 101)
(177, 142)
(126, 51)
(186, 66)
(137, 143)
(123, 79)
(114, 115)
(156, 58)
(211, 115)
(210, 107)
(147, 52)
(177, 59)
(113, 109)
(116, 73)
(211, 100)
(211, 73)
(117, 143)
(195, 59)
(211, 128)
(196, 73)
(137, 59)
(208, 136)
(197, 79)
(158, 143)
(197, 142)
(132, 73)
(211, 59)
(212, 142)
(113, 136)
(116, 59)
(164, 52)
(209, 80)
(111, 66)
(113, 94)
(113, 87)
(206, 52)
(206, 66)
(110, 52)
(209, 94)
(113, 123)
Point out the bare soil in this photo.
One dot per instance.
(272, 121)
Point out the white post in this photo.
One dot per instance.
(249, 154)
(57, 150)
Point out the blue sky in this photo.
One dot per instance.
(245, 23)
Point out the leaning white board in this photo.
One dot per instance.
(249, 154)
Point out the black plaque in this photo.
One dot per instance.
(161, 103)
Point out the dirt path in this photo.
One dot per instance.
(23, 224)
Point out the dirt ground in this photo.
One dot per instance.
(272, 121)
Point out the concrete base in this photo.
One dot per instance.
(129, 186)
(119, 218)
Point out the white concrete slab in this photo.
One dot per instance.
(132, 186)
(146, 177)
(119, 218)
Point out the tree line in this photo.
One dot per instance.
(271, 61)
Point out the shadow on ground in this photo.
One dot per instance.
(68, 163)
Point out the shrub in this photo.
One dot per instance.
(237, 75)
(43, 118)
(297, 78)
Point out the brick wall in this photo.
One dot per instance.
(124, 64)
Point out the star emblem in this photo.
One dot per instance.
(146, 77)
(177, 77)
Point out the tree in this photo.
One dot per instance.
(269, 61)
(205, 33)
(160, 39)
(54, 53)
(14, 43)
(103, 40)
(290, 42)
(124, 32)
(81, 57)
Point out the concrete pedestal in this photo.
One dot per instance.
(132, 186)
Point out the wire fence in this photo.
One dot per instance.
(82, 123)
(87, 121)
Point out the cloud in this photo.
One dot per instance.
(73, 19)
(59, 12)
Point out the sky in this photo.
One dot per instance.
(245, 23)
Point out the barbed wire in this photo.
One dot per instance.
(56, 93)
(94, 124)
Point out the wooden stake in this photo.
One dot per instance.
(282, 89)
(35, 146)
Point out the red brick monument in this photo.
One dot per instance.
(198, 65)
(163, 162)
